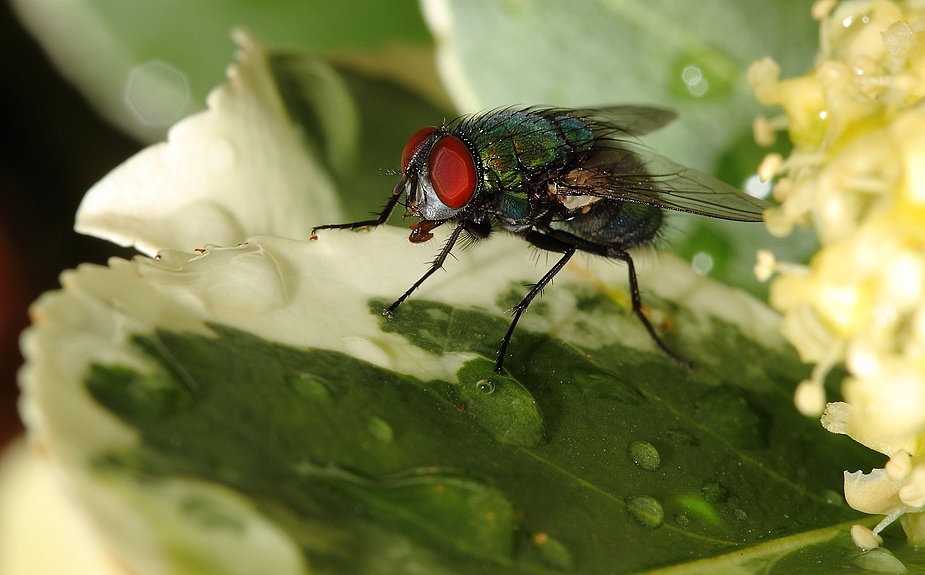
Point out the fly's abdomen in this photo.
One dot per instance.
(514, 145)
(621, 224)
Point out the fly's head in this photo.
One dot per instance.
(440, 173)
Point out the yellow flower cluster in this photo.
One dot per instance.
(857, 175)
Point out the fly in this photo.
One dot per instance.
(563, 180)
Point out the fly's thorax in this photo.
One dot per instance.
(513, 146)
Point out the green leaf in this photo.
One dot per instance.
(260, 385)
(502, 405)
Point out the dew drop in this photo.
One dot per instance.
(367, 350)
(682, 437)
(157, 93)
(879, 560)
(599, 384)
(682, 520)
(501, 405)
(644, 455)
(381, 430)
(646, 510)
(245, 277)
(713, 492)
(833, 497)
(740, 514)
(485, 386)
(312, 387)
(704, 72)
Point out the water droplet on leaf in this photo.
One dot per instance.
(713, 492)
(312, 387)
(552, 552)
(879, 560)
(644, 455)
(445, 509)
(485, 386)
(599, 384)
(646, 510)
(731, 416)
(682, 437)
(833, 497)
(501, 405)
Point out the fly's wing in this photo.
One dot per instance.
(631, 120)
(624, 172)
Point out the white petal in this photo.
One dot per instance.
(873, 492)
(236, 170)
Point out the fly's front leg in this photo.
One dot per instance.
(434, 266)
(544, 242)
(383, 217)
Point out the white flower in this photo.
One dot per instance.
(857, 175)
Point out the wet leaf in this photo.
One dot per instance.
(356, 435)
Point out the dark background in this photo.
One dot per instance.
(53, 147)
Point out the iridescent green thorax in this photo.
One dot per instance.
(513, 145)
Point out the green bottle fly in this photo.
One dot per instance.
(563, 180)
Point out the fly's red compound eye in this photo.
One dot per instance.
(414, 142)
(452, 172)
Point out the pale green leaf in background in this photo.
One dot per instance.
(687, 56)
(600, 53)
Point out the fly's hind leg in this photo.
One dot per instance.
(623, 256)
(637, 308)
